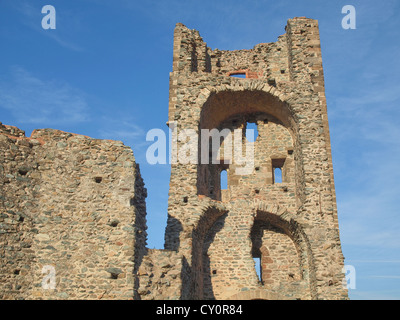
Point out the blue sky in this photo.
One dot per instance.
(104, 72)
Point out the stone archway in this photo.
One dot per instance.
(212, 214)
(241, 97)
(284, 250)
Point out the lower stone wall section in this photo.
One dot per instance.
(18, 169)
(160, 275)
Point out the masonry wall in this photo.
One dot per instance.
(74, 204)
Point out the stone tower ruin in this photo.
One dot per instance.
(290, 225)
(73, 211)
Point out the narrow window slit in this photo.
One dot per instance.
(224, 180)
(257, 262)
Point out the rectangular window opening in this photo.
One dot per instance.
(238, 75)
(251, 131)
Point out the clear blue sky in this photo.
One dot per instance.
(104, 72)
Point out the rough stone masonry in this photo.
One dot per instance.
(76, 205)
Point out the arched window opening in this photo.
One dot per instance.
(251, 131)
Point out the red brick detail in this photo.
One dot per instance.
(249, 74)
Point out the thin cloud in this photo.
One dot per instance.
(126, 130)
(384, 277)
(60, 41)
(32, 19)
(368, 213)
(375, 261)
(35, 101)
(374, 295)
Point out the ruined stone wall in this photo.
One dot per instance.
(283, 93)
(75, 204)
(18, 171)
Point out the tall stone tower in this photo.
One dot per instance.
(281, 210)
